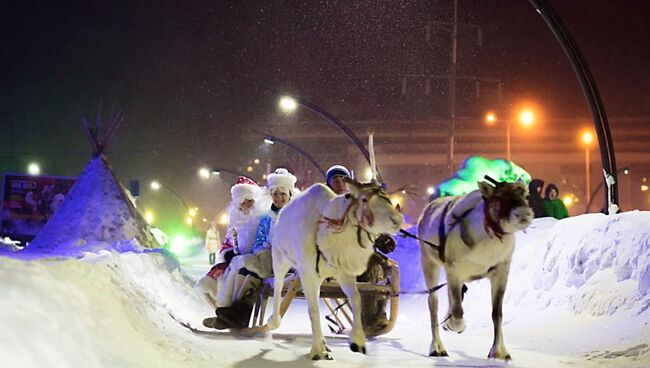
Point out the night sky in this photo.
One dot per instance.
(189, 75)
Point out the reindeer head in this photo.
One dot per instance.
(507, 205)
(375, 212)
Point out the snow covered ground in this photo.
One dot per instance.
(579, 296)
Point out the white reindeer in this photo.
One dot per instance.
(475, 238)
(323, 235)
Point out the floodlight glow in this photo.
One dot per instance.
(204, 173)
(431, 190)
(224, 219)
(527, 117)
(155, 185)
(288, 104)
(178, 245)
(188, 220)
(33, 169)
(587, 138)
(148, 216)
(268, 141)
(644, 188)
(490, 118)
(567, 200)
(626, 171)
(249, 169)
(192, 212)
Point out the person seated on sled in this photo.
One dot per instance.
(244, 211)
(373, 308)
(281, 188)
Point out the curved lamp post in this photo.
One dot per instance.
(590, 91)
(286, 101)
(269, 139)
(156, 186)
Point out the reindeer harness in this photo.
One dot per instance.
(339, 225)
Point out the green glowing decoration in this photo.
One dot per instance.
(474, 170)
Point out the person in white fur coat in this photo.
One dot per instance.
(247, 205)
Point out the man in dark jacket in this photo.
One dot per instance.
(535, 201)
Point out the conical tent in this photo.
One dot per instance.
(96, 213)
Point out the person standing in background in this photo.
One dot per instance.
(554, 205)
(212, 242)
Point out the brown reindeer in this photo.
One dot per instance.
(472, 237)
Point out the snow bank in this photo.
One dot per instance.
(105, 310)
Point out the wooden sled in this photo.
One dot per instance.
(334, 299)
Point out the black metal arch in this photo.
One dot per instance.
(590, 91)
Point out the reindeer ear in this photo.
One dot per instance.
(354, 186)
(486, 189)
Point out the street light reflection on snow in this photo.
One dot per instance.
(33, 169)
(288, 104)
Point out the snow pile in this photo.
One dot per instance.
(95, 215)
(590, 264)
(105, 310)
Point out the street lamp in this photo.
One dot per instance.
(155, 186)
(286, 103)
(526, 117)
(587, 139)
(269, 139)
(204, 173)
(33, 169)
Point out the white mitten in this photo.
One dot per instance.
(247, 261)
(266, 263)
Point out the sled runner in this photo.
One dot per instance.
(340, 317)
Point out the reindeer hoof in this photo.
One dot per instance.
(319, 357)
(438, 354)
(354, 347)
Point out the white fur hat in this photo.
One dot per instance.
(281, 178)
(244, 189)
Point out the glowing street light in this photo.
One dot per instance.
(155, 185)
(526, 118)
(490, 118)
(288, 104)
(204, 173)
(148, 216)
(33, 169)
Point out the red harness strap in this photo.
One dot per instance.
(338, 225)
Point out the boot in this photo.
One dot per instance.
(237, 315)
(216, 323)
